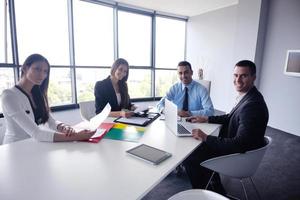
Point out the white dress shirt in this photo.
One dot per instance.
(19, 119)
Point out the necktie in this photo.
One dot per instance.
(185, 105)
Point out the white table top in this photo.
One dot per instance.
(80, 170)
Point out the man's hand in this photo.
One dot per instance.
(183, 113)
(199, 135)
(199, 119)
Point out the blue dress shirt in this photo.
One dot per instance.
(199, 100)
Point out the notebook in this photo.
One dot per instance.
(179, 128)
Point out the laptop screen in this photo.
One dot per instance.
(171, 115)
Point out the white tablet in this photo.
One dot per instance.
(149, 154)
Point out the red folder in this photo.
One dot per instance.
(107, 127)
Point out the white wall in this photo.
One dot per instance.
(210, 45)
(217, 40)
(282, 92)
(258, 30)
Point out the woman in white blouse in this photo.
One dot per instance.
(25, 107)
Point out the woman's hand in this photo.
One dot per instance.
(133, 107)
(85, 134)
(78, 136)
(199, 119)
(64, 128)
(126, 113)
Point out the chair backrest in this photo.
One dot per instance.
(206, 84)
(238, 165)
(197, 194)
(87, 109)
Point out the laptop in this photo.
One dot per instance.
(179, 128)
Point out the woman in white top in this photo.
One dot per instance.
(25, 107)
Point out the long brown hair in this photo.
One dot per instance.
(39, 92)
(125, 99)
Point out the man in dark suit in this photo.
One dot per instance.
(242, 129)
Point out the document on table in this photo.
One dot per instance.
(133, 120)
(96, 121)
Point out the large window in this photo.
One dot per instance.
(139, 83)
(93, 33)
(135, 38)
(6, 69)
(44, 30)
(7, 80)
(42, 27)
(86, 79)
(170, 42)
(164, 79)
(5, 37)
(170, 49)
(82, 38)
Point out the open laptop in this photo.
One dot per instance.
(179, 128)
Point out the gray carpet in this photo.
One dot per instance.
(278, 176)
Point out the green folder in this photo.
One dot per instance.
(125, 132)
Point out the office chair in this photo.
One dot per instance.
(196, 194)
(87, 109)
(238, 165)
(206, 84)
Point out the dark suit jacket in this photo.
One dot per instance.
(105, 93)
(243, 128)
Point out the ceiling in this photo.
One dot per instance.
(181, 7)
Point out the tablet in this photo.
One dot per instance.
(149, 154)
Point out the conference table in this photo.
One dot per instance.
(81, 170)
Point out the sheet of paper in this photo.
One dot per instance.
(99, 118)
(135, 120)
(98, 133)
(141, 108)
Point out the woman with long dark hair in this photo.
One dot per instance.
(114, 90)
(25, 107)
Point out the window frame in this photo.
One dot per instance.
(116, 7)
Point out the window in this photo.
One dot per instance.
(164, 79)
(6, 72)
(60, 91)
(135, 38)
(139, 83)
(82, 42)
(93, 34)
(170, 42)
(7, 80)
(86, 79)
(44, 30)
(42, 27)
(5, 37)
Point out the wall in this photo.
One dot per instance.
(218, 39)
(258, 30)
(210, 45)
(282, 92)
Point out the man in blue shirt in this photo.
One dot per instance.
(190, 96)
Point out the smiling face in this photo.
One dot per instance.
(121, 72)
(185, 74)
(37, 72)
(243, 79)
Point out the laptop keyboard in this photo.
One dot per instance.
(181, 130)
